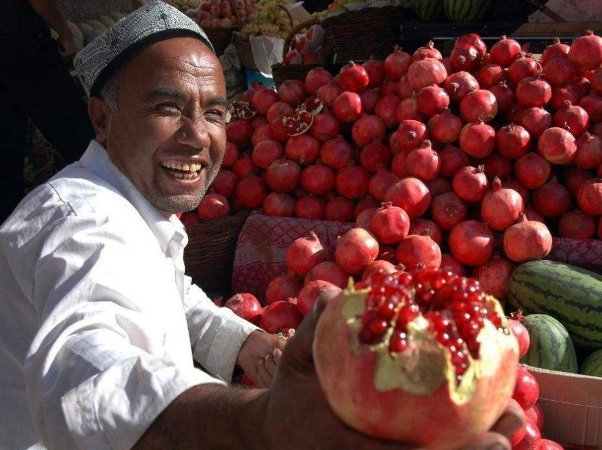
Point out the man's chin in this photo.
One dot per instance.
(174, 204)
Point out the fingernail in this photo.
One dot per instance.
(508, 424)
(261, 361)
(276, 352)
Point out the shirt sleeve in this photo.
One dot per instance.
(217, 334)
(101, 367)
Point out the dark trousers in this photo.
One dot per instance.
(34, 83)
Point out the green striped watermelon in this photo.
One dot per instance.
(592, 365)
(428, 10)
(551, 346)
(570, 294)
(466, 11)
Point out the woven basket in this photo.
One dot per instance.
(245, 51)
(209, 255)
(358, 35)
(220, 38)
(282, 72)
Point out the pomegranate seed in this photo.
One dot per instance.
(444, 338)
(368, 317)
(378, 327)
(398, 343)
(470, 330)
(387, 310)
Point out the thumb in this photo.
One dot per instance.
(298, 351)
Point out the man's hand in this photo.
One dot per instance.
(296, 394)
(259, 357)
(67, 46)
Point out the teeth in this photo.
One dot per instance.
(192, 167)
(185, 167)
(179, 166)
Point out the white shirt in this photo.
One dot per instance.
(98, 323)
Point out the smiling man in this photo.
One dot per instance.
(99, 325)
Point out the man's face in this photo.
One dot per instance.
(168, 135)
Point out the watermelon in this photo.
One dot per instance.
(570, 294)
(428, 10)
(551, 346)
(466, 11)
(592, 365)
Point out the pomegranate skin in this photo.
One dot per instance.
(471, 242)
(418, 251)
(355, 250)
(494, 276)
(527, 240)
(356, 379)
(501, 207)
(577, 225)
(557, 145)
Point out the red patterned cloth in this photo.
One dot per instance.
(262, 243)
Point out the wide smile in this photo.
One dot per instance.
(181, 170)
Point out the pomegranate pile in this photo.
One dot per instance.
(469, 162)
(416, 349)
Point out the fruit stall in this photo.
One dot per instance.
(445, 183)
(437, 180)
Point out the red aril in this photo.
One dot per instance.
(305, 253)
(561, 95)
(559, 71)
(552, 199)
(246, 306)
(536, 120)
(389, 224)
(471, 242)
(470, 183)
(411, 133)
(336, 153)
(280, 317)
(263, 99)
(282, 288)
(283, 175)
(532, 170)
(230, 155)
(244, 167)
(367, 129)
(328, 271)
(505, 51)
(365, 203)
(239, 133)
(266, 152)
(251, 191)
(589, 151)
(460, 84)
(478, 104)
(523, 67)
(347, 107)
(428, 51)
(292, 92)
(213, 206)
(339, 209)
(386, 109)
(592, 104)
(557, 145)
(303, 149)
(325, 127)
(411, 195)
(589, 197)
(355, 250)
(513, 141)
(451, 264)
(369, 99)
(354, 77)
(426, 72)
(448, 210)
(533, 91)
(490, 74)
(519, 330)
(316, 78)
(397, 63)
(586, 51)
(423, 162)
(225, 183)
(555, 50)
(279, 204)
(375, 156)
(452, 160)
(432, 100)
(572, 118)
(417, 252)
(526, 390)
(352, 181)
(504, 96)
(376, 72)
(310, 207)
(408, 110)
(310, 293)
(501, 207)
(527, 240)
(318, 179)
(425, 227)
(328, 92)
(577, 225)
(362, 361)
(464, 58)
(381, 182)
(474, 40)
(445, 127)
(439, 186)
(494, 276)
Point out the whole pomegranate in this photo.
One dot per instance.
(470, 183)
(527, 240)
(305, 253)
(397, 63)
(505, 51)
(479, 104)
(282, 288)
(494, 276)
(577, 225)
(426, 72)
(471, 242)
(589, 197)
(552, 199)
(283, 175)
(390, 224)
(355, 250)
(251, 192)
(309, 294)
(213, 206)
(557, 145)
(554, 50)
(460, 84)
(589, 151)
(354, 77)
(501, 207)
(526, 390)
(310, 207)
(423, 162)
(445, 127)
(513, 141)
(328, 271)
(451, 264)
(367, 129)
(414, 365)
(586, 51)
(448, 210)
(477, 139)
(417, 251)
(352, 181)
(521, 333)
(532, 170)
(316, 78)
(280, 317)
(246, 306)
(411, 195)
(339, 209)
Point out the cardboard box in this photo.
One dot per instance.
(572, 406)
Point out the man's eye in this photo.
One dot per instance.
(216, 114)
(169, 108)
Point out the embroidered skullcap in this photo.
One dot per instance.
(114, 48)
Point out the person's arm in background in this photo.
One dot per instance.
(50, 12)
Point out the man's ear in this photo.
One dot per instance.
(100, 114)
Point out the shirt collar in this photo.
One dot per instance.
(96, 159)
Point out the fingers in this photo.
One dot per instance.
(489, 441)
(347, 438)
(263, 378)
(271, 362)
(511, 420)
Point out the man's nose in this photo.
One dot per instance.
(193, 133)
